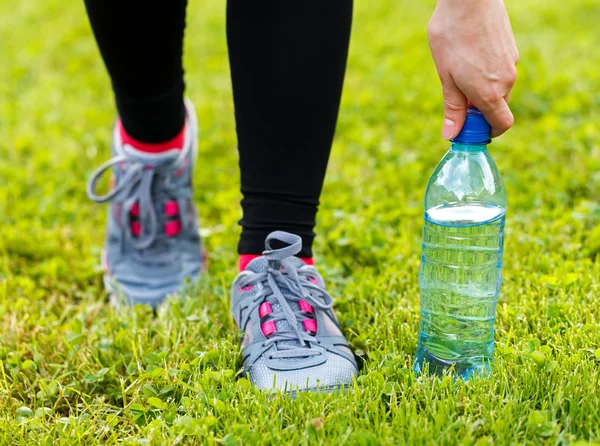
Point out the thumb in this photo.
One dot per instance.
(455, 109)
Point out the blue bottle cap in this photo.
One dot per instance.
(476, 129)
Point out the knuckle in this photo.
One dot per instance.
(506, 122)
(434, 31)
(491, 95)
(511, 75)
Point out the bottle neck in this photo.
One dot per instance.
(468, 147)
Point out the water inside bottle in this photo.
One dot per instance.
(460, 279)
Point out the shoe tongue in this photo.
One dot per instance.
(150, 159)
(296, 262)
(258, 265)
(261, 264)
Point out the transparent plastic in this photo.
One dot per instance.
(461, 262)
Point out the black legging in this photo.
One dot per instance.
(287, 68)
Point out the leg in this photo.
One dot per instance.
(288, 60)
(287, 65)
(142, 46)
(152, 247)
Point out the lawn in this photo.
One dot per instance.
(73, 370)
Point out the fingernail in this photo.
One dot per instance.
(448, 129)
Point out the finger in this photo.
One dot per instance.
(497, 113)
(455, 109)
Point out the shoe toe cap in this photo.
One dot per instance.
(336, 372)
(131, 284)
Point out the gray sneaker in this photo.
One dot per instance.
(291, 338)
(152, 246)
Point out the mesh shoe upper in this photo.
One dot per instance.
(152, 245)
(292, 340)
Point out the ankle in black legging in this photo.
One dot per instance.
(288, 60)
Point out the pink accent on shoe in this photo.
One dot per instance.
(175, 143)
(308, 260)
(136, 228)
(310, 325)
(245, 259)
(264, 310)
(171, 208)
(268, 328)
(313, 280)
(172, 228)
(305, 306)
(135, 210)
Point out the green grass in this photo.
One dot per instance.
(73, 370)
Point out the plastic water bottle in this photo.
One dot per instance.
(461, 263)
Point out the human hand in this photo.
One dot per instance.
(475, 53)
